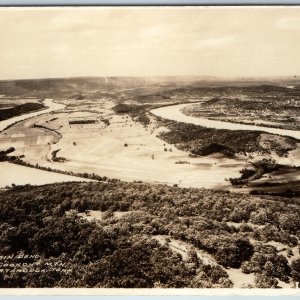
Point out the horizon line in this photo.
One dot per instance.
(161, 76)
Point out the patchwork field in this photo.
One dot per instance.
(85, 140)
(125, 150)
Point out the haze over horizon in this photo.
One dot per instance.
(171, 78)
(225, 42)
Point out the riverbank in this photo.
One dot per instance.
(51, 106)
(175, 113)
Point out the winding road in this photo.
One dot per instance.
(174, 113)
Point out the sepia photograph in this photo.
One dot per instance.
(150, 148)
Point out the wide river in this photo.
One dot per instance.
(51, 106)
(17, 174)
(174, 113)
(187, 176)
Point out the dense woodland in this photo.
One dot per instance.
(195, 138)
(203, 141)
(137, 112)
(199, 140)
(123, 252)
(18, 110)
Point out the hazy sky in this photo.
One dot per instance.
(63, 42)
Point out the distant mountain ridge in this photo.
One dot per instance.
(64, 87)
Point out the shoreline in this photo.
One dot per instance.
(174, 113)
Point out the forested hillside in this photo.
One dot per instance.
(122, 248)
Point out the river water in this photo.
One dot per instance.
(17, 174)
(191, 177)
(51, 106)
(174, 113)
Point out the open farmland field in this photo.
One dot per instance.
(120, 136)
(30, 176)
(127, 150)
(118, 150)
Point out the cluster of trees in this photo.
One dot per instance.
(143, 118)
(213, 148)
(258, 169)
(57, 158)
(250, 175)
(203, 141)
(198, 139)
(71, 122)
(269, 265)
(120, 251)
(4, 154)
(131, 109)
(138, 112)
(19, 110)
(283, 147)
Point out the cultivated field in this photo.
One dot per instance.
(100, 149)
(19, 175)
